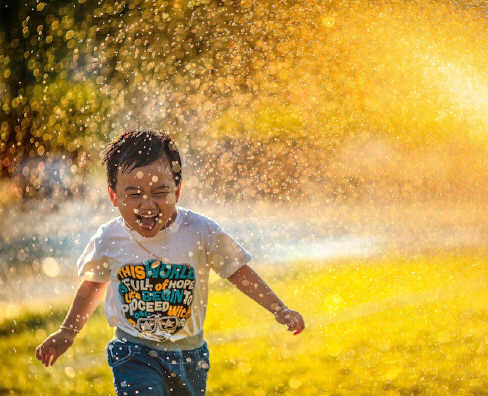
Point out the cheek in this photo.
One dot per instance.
(168, 201)
(125, 203)
(171, 200)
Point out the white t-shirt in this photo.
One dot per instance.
(160, 299)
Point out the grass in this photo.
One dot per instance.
(393, 326)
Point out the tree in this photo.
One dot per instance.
(50, 101)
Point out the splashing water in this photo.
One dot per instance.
(367, 119)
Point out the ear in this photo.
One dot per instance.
(178, 192)
(112, 196)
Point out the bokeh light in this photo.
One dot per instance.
(343, 142)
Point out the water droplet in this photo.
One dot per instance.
(70, 372)
(50, 267)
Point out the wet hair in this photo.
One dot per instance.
(135, 148)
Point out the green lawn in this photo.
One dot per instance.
(396, 326)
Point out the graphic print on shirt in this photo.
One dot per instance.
(156, 297)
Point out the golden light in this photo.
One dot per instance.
(50, 267)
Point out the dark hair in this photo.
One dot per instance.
(134, 149)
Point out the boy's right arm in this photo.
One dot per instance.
(84, 303)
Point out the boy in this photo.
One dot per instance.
(154, 261)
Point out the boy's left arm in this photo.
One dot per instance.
(251, 284)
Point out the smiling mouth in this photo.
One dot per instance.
(147, 222)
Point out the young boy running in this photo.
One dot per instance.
(154, 262)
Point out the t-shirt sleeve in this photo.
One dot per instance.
(225, 255)
(94, 262)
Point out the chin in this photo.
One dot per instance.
(148, 233)
(141, 230)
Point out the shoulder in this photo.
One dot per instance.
(111, 230)
(101, 244)
(196, 221)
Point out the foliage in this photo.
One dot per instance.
(379, 326)
(50, 101)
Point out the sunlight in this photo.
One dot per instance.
(469, 93)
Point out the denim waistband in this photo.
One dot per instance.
(186, 343)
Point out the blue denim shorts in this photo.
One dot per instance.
(142, 371)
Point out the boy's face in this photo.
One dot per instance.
(146, 197)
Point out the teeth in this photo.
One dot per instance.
(148, 216)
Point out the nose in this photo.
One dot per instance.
(147, 205)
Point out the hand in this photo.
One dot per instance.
(54, 346)
(292, 319)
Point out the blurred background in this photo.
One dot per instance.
(316, 132)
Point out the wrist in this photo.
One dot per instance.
(69, 330)
(276, 308)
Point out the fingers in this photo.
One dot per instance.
(46, 355)
(52, 348)
(38, 353)
(292, 319)
(298, 331)
(41, 354)
(296, 324)
(49, 358)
